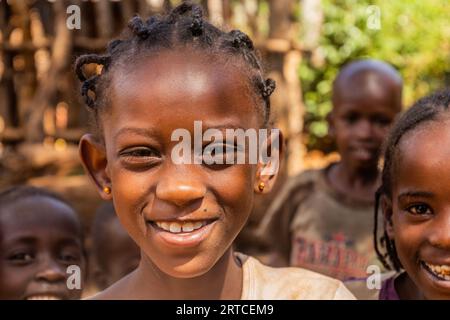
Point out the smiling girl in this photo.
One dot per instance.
(414, 198)
(169, 72)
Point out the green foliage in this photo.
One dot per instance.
(414, 37)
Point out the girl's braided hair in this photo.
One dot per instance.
(184, 25)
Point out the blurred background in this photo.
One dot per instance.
(303, 42)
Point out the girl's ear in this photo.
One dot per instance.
(268, 165)
(386, 207)
(331, 125)
(93, 157)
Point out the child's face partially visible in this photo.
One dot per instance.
(40, 238)
(118, 257)
(360, 122)
(421, 208)
(165, 93)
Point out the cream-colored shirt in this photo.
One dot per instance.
(266, 283)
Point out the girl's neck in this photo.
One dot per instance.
(406, 288)
(223, 281)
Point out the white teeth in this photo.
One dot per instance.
(187, 227)
(177, 227)
(443, 271)
(198, 224)
(165, 226)
(43, 297)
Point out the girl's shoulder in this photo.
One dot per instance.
(117, 291)
(262, 282)
(374, 289)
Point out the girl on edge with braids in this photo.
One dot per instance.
(414, 199)
(168, 72)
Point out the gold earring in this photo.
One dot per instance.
(107, 190)
(261, 186)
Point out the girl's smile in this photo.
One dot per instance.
(439, 272)
(186, 233)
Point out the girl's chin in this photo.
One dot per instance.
(187, 268)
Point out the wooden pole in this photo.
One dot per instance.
(48, 88)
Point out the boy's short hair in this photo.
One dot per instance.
(19, 192)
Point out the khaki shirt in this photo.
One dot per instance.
(311, 225)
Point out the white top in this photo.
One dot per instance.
(266, 283)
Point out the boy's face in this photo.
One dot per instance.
(360, 122)
(155, 198)
(420, 210)
(39, 239)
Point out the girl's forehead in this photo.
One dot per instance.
(421, 160)
(173, 74)
(421, 141)
(173, 87)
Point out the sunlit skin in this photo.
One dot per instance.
(164, 93)
(365, 104)
(418, 213)
(39, 238)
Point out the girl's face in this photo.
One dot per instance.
(183, 216)
(421, 208)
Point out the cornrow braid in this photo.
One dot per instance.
(89, 84)
(425, 110)
(139, 28)
(182, 26)
(196, 26)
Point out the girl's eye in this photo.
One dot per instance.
(221, 153)
(21, 257)
(419, 209)
(69, 258)
(140, 152)
(141, 155)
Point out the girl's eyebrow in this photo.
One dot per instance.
(415, 194)
(25, 239)
(224, 127)
(134, 130)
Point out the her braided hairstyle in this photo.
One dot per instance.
(427, 109)
(184, 25)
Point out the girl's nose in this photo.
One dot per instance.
(51, 271)
(440, 234)
(180, 189)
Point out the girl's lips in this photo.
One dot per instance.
(438, 279)
(184, 239)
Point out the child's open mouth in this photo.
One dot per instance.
(43, 297)
(183, 233)
(441, 272)
(178, 227)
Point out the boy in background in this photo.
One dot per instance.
(323, 219)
